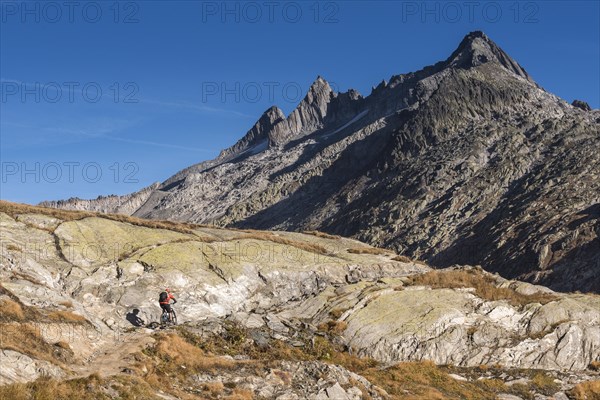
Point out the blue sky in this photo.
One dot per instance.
(106, 97)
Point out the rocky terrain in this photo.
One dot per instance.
(468, 161)
(270, 314)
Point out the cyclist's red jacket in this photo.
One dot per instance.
(169, 298)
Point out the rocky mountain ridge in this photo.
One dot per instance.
(467, 161)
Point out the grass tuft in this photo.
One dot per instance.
(369, 250)
(322, 234)
(594, 366)
(11, 310)
(589, 390)
(66, 316)
(483, 284)
(272, 237)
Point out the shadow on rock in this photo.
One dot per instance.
(133, 318)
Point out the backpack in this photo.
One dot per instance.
(163, 297)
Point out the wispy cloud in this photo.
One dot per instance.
(101, 131)
(180, 105)
(195, 107)
(105, 133)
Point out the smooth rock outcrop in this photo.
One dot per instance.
(110, 272)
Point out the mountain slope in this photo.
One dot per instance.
(466, 161)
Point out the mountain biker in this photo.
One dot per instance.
(164, 299)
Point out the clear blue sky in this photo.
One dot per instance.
(175, 58)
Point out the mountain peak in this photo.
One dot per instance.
(312, 109)
(318, 89)
(257, 134)
(476, 49)
(271, 115)
(319, 81)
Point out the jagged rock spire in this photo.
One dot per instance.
(477, 49)
(313, 108)
(259, 132)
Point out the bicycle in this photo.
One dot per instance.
(167, 317)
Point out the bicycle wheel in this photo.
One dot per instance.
(173, 317)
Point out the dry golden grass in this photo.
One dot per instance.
(424, 380)
(67, 304)
(11, 310)
(13, 247)
(406, 259)
(484, 286)
(336, 313)
(163, 365)
(28, 278)
(269, 236)
(586, 391)
(63, 345)
(594, 366)
(15, 310)
(176, 356)
(544, 384)
(14, 209)
(26, 339)
(413, 380)
(213, 388)
(240, 394)
(66, 316)
(369, 250)
(333, 327)
(173, 348)
(90, 387)
(322, 234)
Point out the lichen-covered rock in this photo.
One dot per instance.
(453, 326)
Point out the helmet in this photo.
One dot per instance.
(168, 290)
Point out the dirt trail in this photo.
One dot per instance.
(113, 356)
